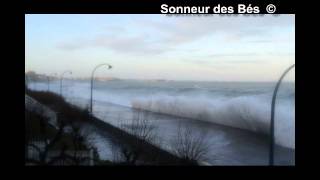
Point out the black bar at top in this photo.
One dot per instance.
(140, 6)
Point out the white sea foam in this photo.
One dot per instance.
(236, 106)
(246, 112)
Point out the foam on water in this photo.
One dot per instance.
(245, 106)
(246, 112)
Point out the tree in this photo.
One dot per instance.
(190, 145)
(49, 141)
(43, 138)
(143, 130)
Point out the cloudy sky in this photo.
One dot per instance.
(214, 48)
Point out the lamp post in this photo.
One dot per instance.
(92, 78)
(273, 106)
(61, 77)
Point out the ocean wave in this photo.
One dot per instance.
(245, 112)
(246, 108)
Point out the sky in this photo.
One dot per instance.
(202, 48)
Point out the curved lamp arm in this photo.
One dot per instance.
(273, 106)
(92, 78)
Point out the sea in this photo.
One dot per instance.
(235, 115)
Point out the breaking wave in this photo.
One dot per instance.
(246, 108)
(245, 112)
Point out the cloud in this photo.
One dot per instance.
(218, 62)
(177, 30)
(156, 36)
(130, 45)
(74, 45)
(236, 58)
(232, 55)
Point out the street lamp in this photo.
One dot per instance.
(273, 106)
(61, 77)
(92, 78)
